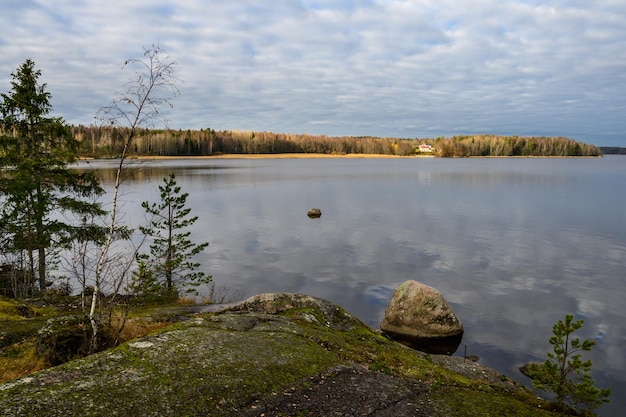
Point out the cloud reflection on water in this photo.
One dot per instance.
(512, 244)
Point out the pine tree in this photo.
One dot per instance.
(565, 373)
(35, 180)
(170, 261)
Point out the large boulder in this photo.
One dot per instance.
(420, 317)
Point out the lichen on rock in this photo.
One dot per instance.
(419, 316)
(330, 315)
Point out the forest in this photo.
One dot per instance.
(106, 142)
(612, 150)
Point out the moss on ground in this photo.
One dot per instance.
(228, 363)
(477, 403)
(201, 367)
(20, 321)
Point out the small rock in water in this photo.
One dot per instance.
(531, 369)
(314, 213)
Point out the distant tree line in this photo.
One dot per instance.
(612, 150)
(493, 145)
(107, 142)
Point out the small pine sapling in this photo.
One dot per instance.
(170, 260)
(566, 374)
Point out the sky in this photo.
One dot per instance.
(388, 68)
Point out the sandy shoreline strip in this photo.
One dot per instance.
(327, 156)
(276, 156)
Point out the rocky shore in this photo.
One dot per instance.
(271, 355)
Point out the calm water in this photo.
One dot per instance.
(513, 244)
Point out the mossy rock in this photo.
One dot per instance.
(207, 366)
(282, 354)
(312, 309)
(64, 338)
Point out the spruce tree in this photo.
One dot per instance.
(42, 198)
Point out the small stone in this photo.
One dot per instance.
(314, 213)
(531, 369)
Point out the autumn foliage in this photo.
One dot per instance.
(108, 141)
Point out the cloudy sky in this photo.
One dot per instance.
(416, 68)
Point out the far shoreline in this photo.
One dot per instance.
(331, 156)
(339, 156)
(282, 156)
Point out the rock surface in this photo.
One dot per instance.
(419, 316)
(327, 313)
(271, 355)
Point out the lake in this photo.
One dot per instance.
(513, 244)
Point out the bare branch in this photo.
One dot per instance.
(137, 108)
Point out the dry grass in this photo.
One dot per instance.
(186, 301)
(137, 328)
(20, 360)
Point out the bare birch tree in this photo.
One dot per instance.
(137, 108)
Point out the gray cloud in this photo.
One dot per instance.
(386, 68)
